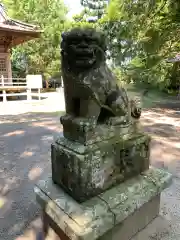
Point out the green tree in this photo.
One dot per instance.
(142, 35)
(43, 54)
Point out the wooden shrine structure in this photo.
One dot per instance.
(12, 33)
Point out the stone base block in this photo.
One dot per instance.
(86, 171)
(135, 222)
(88, 132)
(118, 213)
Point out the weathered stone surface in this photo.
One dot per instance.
(93, 218)
(134, 223)
(92, 93)
(77, 221)
(86, 171)
(147, 185)
(75, 130)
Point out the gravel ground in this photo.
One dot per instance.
(26, 132)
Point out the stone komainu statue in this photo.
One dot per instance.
(91, 89)
(101, 146)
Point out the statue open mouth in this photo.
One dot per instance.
(82, 57)
(83, 53)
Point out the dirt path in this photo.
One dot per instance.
(25, 157)
(163, 125)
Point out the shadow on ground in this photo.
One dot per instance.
(24, 157)
(163, 124)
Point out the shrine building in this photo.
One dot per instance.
(12, 33)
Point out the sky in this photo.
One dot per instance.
(74, 6)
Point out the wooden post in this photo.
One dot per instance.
(2, 79)
(39, 93)
(29, 94)
(9, 68)
(4, 96)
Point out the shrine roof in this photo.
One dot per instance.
(18, 26)
(15, 32)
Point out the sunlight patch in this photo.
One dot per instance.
(27, 154)
(2, 202)
(17, 132)
(34, 173)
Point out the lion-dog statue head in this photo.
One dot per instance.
(82, 49)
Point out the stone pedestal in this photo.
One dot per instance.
(117, 213)
(85, 171)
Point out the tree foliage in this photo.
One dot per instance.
(141, 36)
(42, 55)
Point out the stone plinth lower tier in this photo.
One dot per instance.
(86, 171)
(118, 213)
